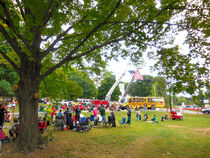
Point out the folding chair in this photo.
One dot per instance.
(123, 122)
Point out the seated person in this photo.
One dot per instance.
(145, 117)
(8, 117)
(164, 118)
(41, 124)
(13, 129)
(154, 119)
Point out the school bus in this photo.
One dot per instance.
(134, 102)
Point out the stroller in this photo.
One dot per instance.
(109, 122)
(84, 125)
(59, 122)
(3, 137)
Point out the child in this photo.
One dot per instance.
(13, 129)
(138, 116)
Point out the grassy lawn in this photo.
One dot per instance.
(189, 138)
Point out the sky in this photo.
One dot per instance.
(119, 67)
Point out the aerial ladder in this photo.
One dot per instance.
(136, 76)
(126, 91)
(108, 95)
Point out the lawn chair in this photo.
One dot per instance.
(83, 119)
(123, 122)
(92, 117)
(42, 126)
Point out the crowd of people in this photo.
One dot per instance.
(69, 117)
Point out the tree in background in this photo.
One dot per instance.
(159, 87)
(75, 32)
(150, 86)
(88, 87)
(142, 88)
(106, 85)
(181, 74)
(58, 86)
(8, 78)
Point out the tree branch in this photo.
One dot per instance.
(9, 60)
(12, 41)
(21, 9)
(96, 28)
(70, 58)
(49, 49)
(12, 26)
(47, 15)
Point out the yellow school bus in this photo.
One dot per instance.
(133, 102)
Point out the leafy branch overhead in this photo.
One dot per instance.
(74, 29)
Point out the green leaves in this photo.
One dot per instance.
(8, 78)
(179, 71)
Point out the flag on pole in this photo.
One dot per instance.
(137, 75)
(131, 72)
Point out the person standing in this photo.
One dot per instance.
(3, 113)
(138, 116)
(14, 102)
(129, 116)
(153, 106)
(113, 118)
(77, 114)
(103, 114)
(145, 105)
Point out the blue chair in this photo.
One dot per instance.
(123, 122)
(92, 117)
(83, 119)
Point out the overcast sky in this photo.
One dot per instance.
(118, 68)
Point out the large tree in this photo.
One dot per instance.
(75, 31)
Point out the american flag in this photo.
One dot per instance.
(137, 75)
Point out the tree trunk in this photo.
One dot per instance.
(29, 135)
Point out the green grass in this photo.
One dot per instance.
(189, 138)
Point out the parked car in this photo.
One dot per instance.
(205, 111)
